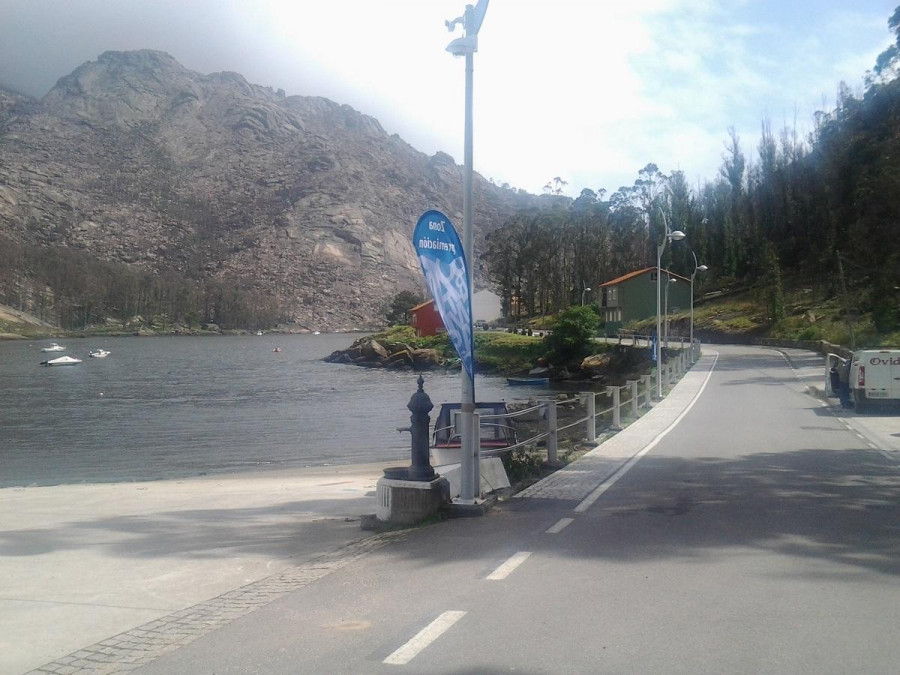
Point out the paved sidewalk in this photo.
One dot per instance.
(161, 560)
(578, 479)
(880, 429)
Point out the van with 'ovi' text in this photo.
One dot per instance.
(874, 376)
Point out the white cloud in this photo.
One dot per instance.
(591, 90)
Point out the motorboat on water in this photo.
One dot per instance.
(259, 332)
(99, 353)
(62, 361)
(53, 348)
(497, 432)
(276, 349)
(315, 332)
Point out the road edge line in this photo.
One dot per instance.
(588, 501)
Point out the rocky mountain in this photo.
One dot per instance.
(134, 158)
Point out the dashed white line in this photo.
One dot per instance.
(561, 524)
(586, 503)
(507, 568)
(423, 638)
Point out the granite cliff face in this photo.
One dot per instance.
(134, 158)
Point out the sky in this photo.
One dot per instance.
(590, 91)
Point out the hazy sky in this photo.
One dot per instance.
(587, 90)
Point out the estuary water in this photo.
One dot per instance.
(168, 407)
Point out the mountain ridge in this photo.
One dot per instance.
(133, 158)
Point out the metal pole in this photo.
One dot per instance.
(476, 452)
(591, 416)
(659, 252)
(692, 300)
(468, 479)
(552, 436)
(666, 322)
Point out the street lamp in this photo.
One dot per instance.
(470, 480)
(677, 235)
(666, 323)
(697, 268)
(586, 290)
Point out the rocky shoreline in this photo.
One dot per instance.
(370, 353)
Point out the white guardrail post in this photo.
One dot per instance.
(476, 450)
(634, 397)
(616, 411)
(551, 429)
(591, 404)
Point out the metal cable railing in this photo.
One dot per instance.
(640, 390)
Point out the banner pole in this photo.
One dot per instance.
(467, 400)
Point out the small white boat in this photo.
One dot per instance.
(99, 353)
(315, 332)
(53, 348)
(259, 332)
(62, 361)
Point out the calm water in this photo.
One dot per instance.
(170, 407)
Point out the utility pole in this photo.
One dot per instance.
(846, 302)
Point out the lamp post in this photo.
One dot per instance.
(677, 235)
(666, 314)
(586, 290)
(467, 46)
(697, 268)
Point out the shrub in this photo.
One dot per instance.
(573, 334)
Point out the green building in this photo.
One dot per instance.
(632, 297)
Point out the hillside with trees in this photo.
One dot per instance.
(796, 211)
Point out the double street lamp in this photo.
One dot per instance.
(666, 309)
(668, 236)
(697, 268)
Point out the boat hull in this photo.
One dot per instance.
(527, 381)
(62, 361)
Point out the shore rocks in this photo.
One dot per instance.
(369, 353)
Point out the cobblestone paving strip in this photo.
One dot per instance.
(139, 646)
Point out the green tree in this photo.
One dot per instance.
(573, 334)
(397, 310)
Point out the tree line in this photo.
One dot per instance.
(807, 204)
(74, 290)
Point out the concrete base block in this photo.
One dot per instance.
(407, 502)
(493, 475)
(479, 508)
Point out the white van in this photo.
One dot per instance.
(874, 376)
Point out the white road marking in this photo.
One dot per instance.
(506, 568)
(588, 501)
(423, 638)
(562, 524)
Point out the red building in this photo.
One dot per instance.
(426, 320)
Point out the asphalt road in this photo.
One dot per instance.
(759, 535)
